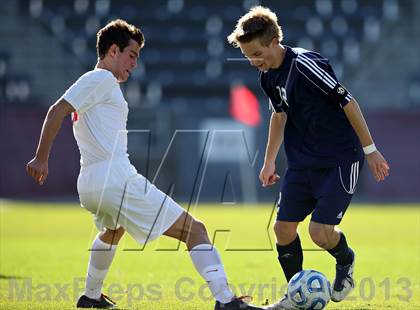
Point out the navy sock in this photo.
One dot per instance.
(342, 252)
(290, 257)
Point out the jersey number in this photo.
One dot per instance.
(282, 93)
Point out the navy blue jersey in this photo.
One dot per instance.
(317, 133)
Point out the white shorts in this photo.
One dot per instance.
(118, 196)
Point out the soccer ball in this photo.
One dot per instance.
(309, 289)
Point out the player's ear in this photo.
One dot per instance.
(274, 42)
(112, 51)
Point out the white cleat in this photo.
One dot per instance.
(282, 304)
(344, 282)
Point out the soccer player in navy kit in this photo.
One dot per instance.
(326, 140)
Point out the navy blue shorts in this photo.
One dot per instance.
(324, 192)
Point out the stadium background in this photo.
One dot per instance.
(183, 87)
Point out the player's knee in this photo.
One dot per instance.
(319, 235)
(197, 234)
(198, 228)
(112, 236)
(285, 233)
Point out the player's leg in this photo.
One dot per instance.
(189, 230)
(103, 248)
(289, 248)
(148, 213)
(204, 255)
(334, 241)
(335, 188)
(290, 256)
(206, 260)
(295, 204)
(325, 236)
(101, 256)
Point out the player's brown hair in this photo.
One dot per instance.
(260, 22)
(117, 32)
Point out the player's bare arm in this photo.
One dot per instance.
(268, 175)
(377, 163)
(38, 166)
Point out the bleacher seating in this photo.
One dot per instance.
(186, 54)
(14, 88)
(414, 90)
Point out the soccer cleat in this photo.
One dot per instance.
(103, 303)
(344, 282)
(237, 303)
(282, 304)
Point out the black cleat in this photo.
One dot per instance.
(103, 303)
(236, 304)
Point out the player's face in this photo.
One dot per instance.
(260, 56)
(126, 61)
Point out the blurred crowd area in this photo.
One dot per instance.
(185, 75)
(372, 44)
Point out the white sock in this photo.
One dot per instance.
(101, 257)
(207, 261)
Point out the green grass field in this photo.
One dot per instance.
(44, 254)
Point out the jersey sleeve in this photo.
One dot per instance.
(88, 90)
(273, 104)
(271, 107)
(320, 74)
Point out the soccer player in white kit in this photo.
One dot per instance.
(109, 187)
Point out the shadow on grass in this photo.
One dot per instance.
(5, 277)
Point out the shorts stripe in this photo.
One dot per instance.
(354, 176)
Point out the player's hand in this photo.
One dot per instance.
(378, 166)
(38, 169)
(268, 175)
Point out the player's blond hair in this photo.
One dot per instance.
(260, 22)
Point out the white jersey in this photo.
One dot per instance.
(100, 126)
(108, 185)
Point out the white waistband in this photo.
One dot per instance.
(117, 160)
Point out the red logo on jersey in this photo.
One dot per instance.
(74, 117)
